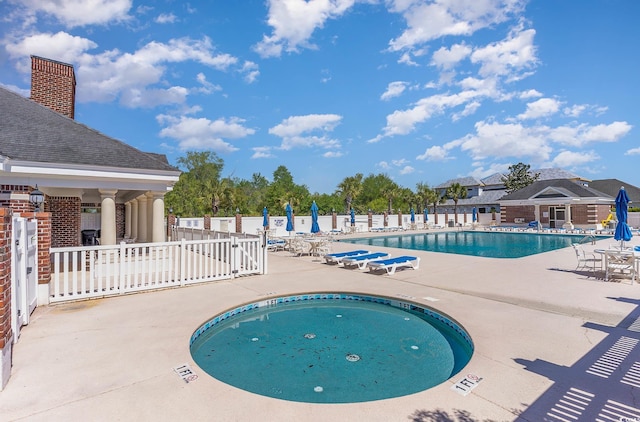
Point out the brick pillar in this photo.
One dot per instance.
(334, 220)
(207, 222)
(238, 222)
(400, 219)
(6, 333)
(369, 220)
(44, 246)
(171, 221)
(386, 219)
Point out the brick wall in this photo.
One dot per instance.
(16, 197)
(65, 222)
(6, 333)
(510, 213)
(53, 84)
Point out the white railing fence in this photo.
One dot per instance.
(97, 271)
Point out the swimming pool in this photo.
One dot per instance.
(476, 243)
(332, 348)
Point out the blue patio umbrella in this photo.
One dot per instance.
(353, 217)
(474, 216)
(623, 232)
(315, 228)
(289, 212)
(413, 216)
(265, 218)
(426, 215)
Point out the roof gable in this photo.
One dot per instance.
(34, 133)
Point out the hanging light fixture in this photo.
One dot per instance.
(36, 197)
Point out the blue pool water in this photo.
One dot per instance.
(347, 349)
(485, 244)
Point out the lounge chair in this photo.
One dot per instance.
(336, 258)
(390, 265)
(361, 260)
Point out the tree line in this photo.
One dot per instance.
(203, 190)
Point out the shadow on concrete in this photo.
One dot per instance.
(603, 385)
(440, 415)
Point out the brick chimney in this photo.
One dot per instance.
(53, 84)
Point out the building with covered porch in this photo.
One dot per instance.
(564, 203)
(90, 181)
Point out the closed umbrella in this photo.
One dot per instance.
(265, 218)
(474, 217)
(413, 216)
(289, 212)
(315, 228)
(353, 217)
(426, 215)
(623, 232)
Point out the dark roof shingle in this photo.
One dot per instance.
(32, 132)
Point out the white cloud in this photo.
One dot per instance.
(445, 58)
(575, 110)
(494, 140)
(407, 170)
(394, 89)
(532, 93)
(251, 72)
(73, 13)
(166, 18)
(540, 108)
(511, 57)
(207, 87)
(332, 154)
(435, 153)
(127, 76)
(60, 46)
(399, 163)
(402, 122)
(570, 158)
(262, 152)
(384, 165)
(469, 109)
(633, 151)
(202, 133)
(292, 129)
(429, 21)
(294, 21)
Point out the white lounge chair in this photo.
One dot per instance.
(390, 265)
(336, 258)
(361, 261)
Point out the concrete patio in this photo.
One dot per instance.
(550, 343)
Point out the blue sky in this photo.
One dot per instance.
(421, 90)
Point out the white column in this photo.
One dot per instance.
(127, 219)
(142, 219)
(157, 230)
(134, 219)
(149, 216)
(568, 224)
(108, 217)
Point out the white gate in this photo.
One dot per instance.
(24, 272)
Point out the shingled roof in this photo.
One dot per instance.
(32, 132)
(564, 187)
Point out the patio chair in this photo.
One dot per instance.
(586, 260)
(620, 265)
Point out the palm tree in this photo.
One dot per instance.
(456, 192)
(434, 197)
(390, 192)
(350, 188)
